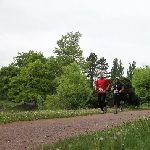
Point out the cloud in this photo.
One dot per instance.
(110, 29)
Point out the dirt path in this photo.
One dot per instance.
(32, 134)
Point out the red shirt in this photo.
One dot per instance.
(101, 85)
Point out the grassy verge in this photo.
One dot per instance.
(16, 112)
(129, 136)
(7, 117)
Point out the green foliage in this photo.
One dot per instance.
(23, 59)
(129, 95)
(102, 65)
(130, 70)
(91, 70)
(52, 102)
(140, 82)
(68, 51)
(22, 115)
(73, 89)
(32, 84)
(120, 69)
(129, 136)
(117, 69)
(6, 73)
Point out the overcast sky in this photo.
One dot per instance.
(110, 28)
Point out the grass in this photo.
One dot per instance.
(7, 117)
(14, 112)
(129, 136)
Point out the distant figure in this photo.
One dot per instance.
(101, 86)
(117, 89)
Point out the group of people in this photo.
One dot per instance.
(102, 85)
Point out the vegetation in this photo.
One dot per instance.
(35, 87)
(13, 116)
(13, 112)
(73, 90)
(66, 80)
(117, 69)
(131, 135)
(140, 81)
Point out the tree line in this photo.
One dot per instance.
(63, 81)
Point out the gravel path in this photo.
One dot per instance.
(32, 134)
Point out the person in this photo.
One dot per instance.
(117, 89)
(101, 86)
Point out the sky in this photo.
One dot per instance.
(110, 28)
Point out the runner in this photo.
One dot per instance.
(117, 89)
(101, 86)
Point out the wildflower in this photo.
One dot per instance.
(144, 117)
(70, 145)
(100, 138)
(118, 133)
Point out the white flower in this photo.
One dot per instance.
(144, 117)
(118, 133)
(70, 145)
(100, 138)
(115, 137)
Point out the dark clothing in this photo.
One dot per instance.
(116, 95)
(101, 100)
(117, 99)
(117, 87)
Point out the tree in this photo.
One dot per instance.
(120, 69)
(129, 95)
(140, 81)
(33, 83)
(117, 69)
(103, 66)
(91, 71)
(68, 50)
(130, 70)
(114, 69)
(6, 73)
(73, 90)
(23, 59)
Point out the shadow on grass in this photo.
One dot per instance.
(11, 106)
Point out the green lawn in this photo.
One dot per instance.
(129, 136)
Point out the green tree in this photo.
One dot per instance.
(117, 68)
(91, 71)
(33, 83)
(130, 70)
(129, 95)
(102, 65)
(54, 68)
(6, 73)
(73, 90)
(140, 81)
(120, 69)
(114, 69)
(23, 59)
(68, 50)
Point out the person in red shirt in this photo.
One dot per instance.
(101, 86)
